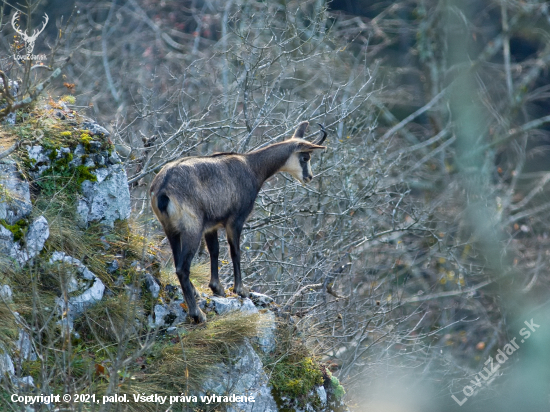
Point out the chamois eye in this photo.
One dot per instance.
(305, 157)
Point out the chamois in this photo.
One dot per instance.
(196, 196)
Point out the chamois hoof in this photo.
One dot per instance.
(199, 318)
(242, 292)
(217, 290)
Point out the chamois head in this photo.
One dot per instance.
(298, 164)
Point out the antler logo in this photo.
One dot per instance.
(29, 40)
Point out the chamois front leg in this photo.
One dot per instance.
(183, 255)
(234, 239)
(211, 239)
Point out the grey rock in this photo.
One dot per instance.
(6, 364)
(24, 346)
(106, 200)
(15, 198)
(173, 292)
(160, 312)
(99, 160)
(89, 162)
(266, 338)
(35, 238)
(244, 376)
(63, 152)
(5, 293)
(95, 146)
(113, 266)
(113, 158)
(11, 118)
(260, 299)
(23, 382)
(81, 278)
(177, 310)
(81, 269)
(322, 394)
(248, 306)
(152, 285)
(14, 87)
(94, 128)
(82, 211)
(41, 159)
(7, 246)
(37, 235)
(225, 305)
(123, 150)
(78, 304)
(38, 154)
(89, 297)
(79, 151)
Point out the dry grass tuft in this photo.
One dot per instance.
(111, 319)
(186, 365)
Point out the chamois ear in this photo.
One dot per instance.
(301, 130)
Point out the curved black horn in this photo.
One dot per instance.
(323, 137)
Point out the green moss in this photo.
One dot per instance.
(294, 377)
(86, 139)
(337, 388)
(65, 160)
(69, 99)
(19, 228)
(84, 173)
(62, 178)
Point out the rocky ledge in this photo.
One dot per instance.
(79, 283)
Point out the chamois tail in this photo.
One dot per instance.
(162, 202)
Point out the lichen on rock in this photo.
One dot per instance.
(244, 375)
(15, 199)
(21, 252)
(107, 199)
(80, 279)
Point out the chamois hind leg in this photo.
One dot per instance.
(234, 238)
(211, 239)
(184, 248)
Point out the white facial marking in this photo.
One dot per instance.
(293, 167)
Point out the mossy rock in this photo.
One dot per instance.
(19, 228)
